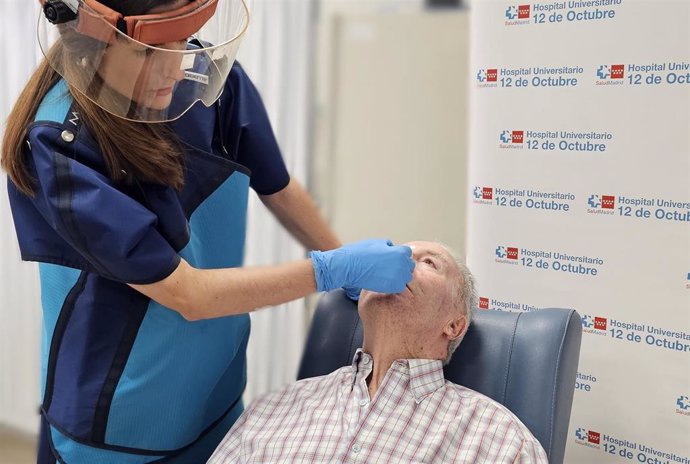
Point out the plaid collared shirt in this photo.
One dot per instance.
(415, 416)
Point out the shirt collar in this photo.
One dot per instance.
(426, 375)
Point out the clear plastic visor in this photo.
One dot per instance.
(140, 82)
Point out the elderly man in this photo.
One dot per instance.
(392, 404)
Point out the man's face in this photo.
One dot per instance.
(426, 306)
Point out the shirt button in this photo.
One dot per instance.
(365, 360)
(363, 403)
(356, 448)
(67, 136)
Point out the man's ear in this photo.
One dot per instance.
(455, 328)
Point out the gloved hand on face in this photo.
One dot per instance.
(375, 265)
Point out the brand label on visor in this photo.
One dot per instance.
(196, 77)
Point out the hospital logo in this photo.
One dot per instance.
(593, 437)
(587, 322)
(601, 204)
(517, 12)
(610, 74)
(512, 136)
(587, 437)
(487, 77)
(483, 195)
(507, 253)
(523, 11)
(683, 405)
(602, 201)
(594, 325)
(613, 71)
(483, 303)
(501, 252)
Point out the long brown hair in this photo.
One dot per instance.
(149, 152)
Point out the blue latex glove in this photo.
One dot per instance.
(375, 265)
(352, 293)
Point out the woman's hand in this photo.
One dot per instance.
(375, 265)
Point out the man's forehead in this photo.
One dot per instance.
(431, 248)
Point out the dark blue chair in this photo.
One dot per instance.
(525, 361)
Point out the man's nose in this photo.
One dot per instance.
(415, 272)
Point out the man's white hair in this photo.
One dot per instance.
(464, 297)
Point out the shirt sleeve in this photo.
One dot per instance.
(531, 452)
(253, 137)
(115, 234)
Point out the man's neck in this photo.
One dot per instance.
(378, 373)
(384, 355)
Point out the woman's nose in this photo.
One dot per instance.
(172, 67)
(173, 60)
(176, 73)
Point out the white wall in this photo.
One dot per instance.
(392, 124)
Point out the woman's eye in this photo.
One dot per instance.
(430, 262)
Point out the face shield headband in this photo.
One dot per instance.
(145, 68)
(150, 29)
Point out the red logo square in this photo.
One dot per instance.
(608, 201)
(487, 193)
(600, 323)
(617, 71)
(518, 136)
(512, 253)
(491, 75)
(523, 11)
(593, 437)
(483, 303)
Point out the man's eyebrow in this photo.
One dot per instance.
(436, 254)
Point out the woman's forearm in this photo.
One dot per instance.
(207, 293)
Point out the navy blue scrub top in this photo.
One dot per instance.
(124, 378)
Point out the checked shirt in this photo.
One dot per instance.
(416, 416)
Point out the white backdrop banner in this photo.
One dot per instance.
(580, 179)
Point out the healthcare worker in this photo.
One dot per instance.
(130, 154)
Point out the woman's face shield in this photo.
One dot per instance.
(149, 82)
